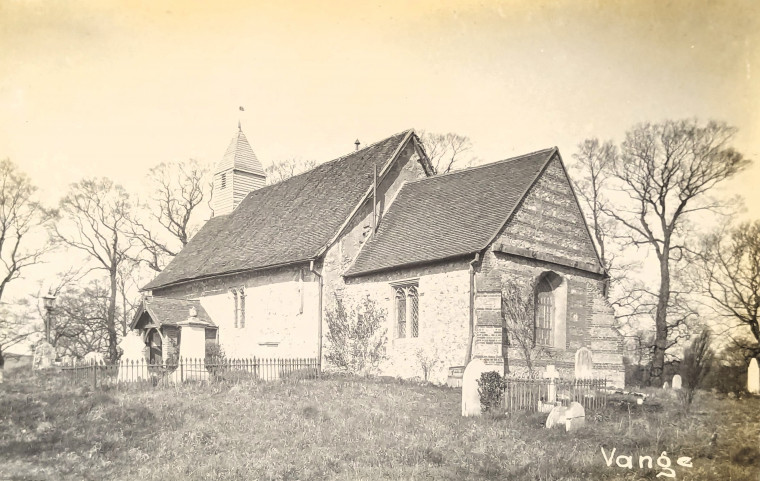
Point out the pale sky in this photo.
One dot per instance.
(114, 88)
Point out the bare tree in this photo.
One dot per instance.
(95, 216)
(729, 273)
(165, 224)
(447, 152)
(82, 320)
(16, 326)
(518, 317)
(667, 171)
(285, 169)
(20, 217)
(697, 361)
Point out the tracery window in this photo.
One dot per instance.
(407, 307)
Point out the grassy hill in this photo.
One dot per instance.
(349, 429)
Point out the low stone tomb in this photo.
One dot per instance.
(753, 377)
(470, 397)
(556, 417)
(94, 358)
(677, 382)
(575, 416)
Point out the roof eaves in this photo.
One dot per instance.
(349, 274)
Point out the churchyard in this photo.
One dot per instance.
(349, 428)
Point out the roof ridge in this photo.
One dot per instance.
(490, 164)
(404, 132)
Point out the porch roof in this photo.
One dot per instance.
(168, 311)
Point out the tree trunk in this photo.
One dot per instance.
(660, 320)
(2, 364)
(111, 320)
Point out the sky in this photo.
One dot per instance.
(98, 88)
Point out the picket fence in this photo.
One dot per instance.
(210, 370)
(533, 394)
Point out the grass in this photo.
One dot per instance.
(348, 429)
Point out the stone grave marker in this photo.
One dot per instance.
(94, 358)
(584, 364)
(753, 377)
(665, 385)
(551, 374)
(470, 396)
(556, 417)
(677, 382)
(44, 355)
(132, 365)
(575, 416)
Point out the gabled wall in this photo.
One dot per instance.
(547, 234)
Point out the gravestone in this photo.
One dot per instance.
(44, 355)
(551, 374)
(470, 397)
(192, 349)
(584, 364)
(556, 417)
(94, 358)
(677, 382)
(666, 386)
(132, 365)
(575, 416)
(753, 377)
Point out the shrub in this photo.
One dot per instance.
(355, 338)
(490, 389)
(697, 360)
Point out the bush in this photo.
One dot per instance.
(355, 339)
(490, 389)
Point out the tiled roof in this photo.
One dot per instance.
(168, 311)
(240, 156)
(287, 222)
(449, 215)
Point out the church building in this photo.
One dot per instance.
(493, 262)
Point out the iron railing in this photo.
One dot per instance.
(539, 394)
(211, 370)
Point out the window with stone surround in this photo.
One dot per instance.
(234, 293)
(407, 309)
(241, 305)
(550, 308)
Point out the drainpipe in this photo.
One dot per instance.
(471, 336)
(319, 315)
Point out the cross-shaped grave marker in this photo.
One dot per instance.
(551, 374)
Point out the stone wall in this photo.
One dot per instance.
(281, 311)
(547, 234)
(444, 307)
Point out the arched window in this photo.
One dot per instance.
(544, 313)
(550, 311)
(401, 312)
(407, 309)
(235, 299)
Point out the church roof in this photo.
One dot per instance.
(165, 311)
(287, 222)
(449, 215)
(240, 156)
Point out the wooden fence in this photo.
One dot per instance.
(538, 394)
(210, 370)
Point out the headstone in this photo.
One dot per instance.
(575, 416)
(753, 377)
(44, 355)
(556, 417)
(677, 382)
(132, 365)
(665, 385)
(584, 364)
(470, 396)
(551, 392)
(94, 358)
